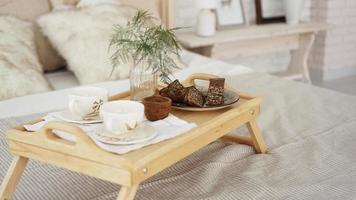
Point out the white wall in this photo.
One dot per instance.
(334, 53)
(340, 40)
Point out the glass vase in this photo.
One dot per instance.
(143, 82)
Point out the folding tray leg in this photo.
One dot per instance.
(256, 136)
(127, 193)
(12, 177)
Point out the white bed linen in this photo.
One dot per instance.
(62, 79)
(56, 100)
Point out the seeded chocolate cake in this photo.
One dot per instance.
(215, 95)
(194, 97)
(164, 92)
(176, 91)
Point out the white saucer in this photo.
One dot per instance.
(140, 134)
(69, 117)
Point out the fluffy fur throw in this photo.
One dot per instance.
(20, 69)
(82, 37)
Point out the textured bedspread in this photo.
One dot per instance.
(311, 134)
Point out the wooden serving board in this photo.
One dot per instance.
(130, 169)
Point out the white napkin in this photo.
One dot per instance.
(167, 128)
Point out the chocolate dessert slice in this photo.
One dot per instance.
(164, 92)
(176, 91)
(215, 94)
(194, 97)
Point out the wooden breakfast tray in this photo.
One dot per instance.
(130, 169)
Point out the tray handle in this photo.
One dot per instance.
(82, 140)
(199, 76)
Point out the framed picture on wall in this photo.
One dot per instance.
(230, 13)
(269, 11)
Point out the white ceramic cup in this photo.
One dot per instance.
(122, 116)
(86, 101)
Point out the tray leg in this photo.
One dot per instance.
(256, 136)
(12, 177)
(127, 193)
(239, 139)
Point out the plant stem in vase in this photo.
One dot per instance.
(143, 82)
(150, 48)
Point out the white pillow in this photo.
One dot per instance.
(20, 69)
(82, 37)
(84, 3)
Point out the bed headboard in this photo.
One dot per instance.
(166, 9)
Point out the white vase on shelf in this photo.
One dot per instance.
(206, 25)
(206, 22)
(293, 10)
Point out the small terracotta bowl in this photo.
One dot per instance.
(157, 107)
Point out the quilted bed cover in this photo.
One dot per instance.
(311, 134)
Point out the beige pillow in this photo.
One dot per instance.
(152, 5)
(48, 56)
(20, 70)
(29, 10)
(82, 37)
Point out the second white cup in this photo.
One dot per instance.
(122, 116)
